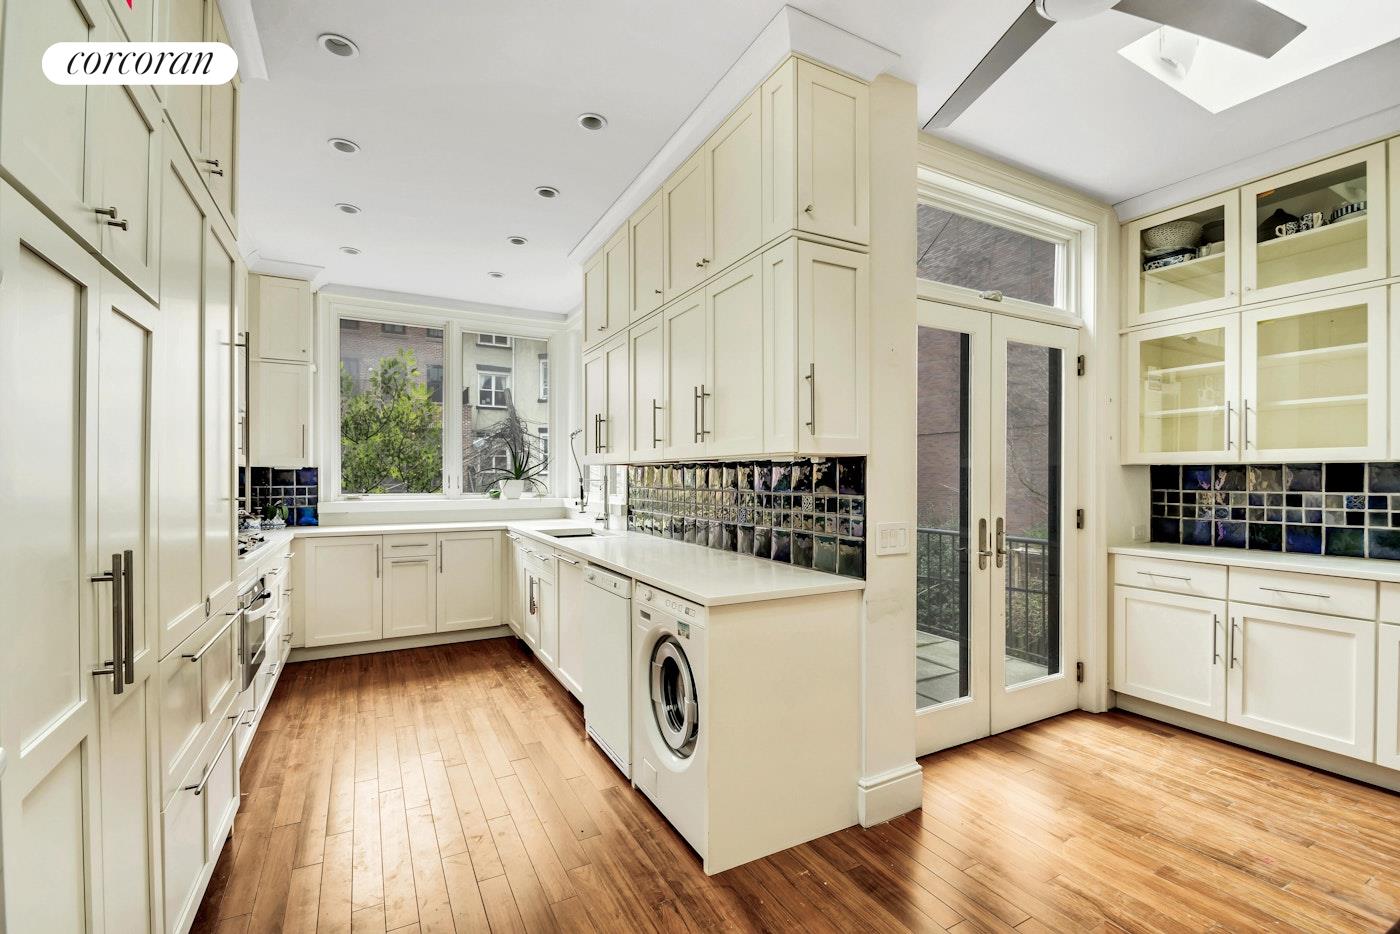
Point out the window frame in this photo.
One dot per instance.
(455, 325)
(485, 372)
(482, 342)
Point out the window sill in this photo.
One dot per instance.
(494, 408)
(397, 504)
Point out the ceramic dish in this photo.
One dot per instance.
(1172, 235)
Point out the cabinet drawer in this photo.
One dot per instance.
(541, 564)
(1390, 603)
(1188, 577)
(1313, 593)
(198, 686)
(410, 546)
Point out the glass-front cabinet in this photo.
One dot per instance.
(1318, 227)
(1184, 261)
(1315, 378)
(1182, 392)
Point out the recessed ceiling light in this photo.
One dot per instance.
(547, 191)
(592, 121)
(517, 240)
(348, 208)
(496, 275)
(347, 146)
(350, 250)
(338, 45)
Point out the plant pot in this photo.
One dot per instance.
(511, 489)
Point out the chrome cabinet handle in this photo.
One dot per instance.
(1170, 577)
(214, 168)
(1297, 593)
(1215, 639)
(439, 557)
(377, 561)
(657, 291)
(401, 545)
(111, 215)
(1234, 643)
(569, 560)
(704, 433)
(196, 656)
(983, 552)
(655, 438)
(701, 263)
(1245, 421)
(695, 415)
(114, 668)
(811, 378)
(807, 209)
(1001, 542)
(603, 446)
(1229, 426)
(303, 441)
(203, 782)
(129, 615)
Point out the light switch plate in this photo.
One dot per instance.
(892, 538)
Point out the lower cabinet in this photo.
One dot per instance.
(515, 585)
(1169, 648)
(569, 662)
(410, 596)
(468, 575)
(1304, 677)
(343, 590)
(194, 825)
(544, 607)
(1388, 695)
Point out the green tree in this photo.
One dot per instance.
(391, 432)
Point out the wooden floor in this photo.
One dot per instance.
(452, 789)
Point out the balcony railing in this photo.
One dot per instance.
(1032, 592)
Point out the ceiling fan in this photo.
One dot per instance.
(1244, 24)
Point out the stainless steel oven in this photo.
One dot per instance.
(254, 603)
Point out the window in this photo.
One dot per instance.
(971, 253)
(435, 334)
(435, 381)
(543, 432)
(492, 340)
(349, 324)
(493, 390)
(544, 377)
(391, 424)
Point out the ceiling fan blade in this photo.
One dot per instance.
(1029, 27)
(1243, 24)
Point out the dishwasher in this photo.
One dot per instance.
(607, 663)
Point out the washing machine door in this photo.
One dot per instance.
(673, 701)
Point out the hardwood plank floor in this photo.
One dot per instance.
(452, 789)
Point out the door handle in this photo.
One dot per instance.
(1244, 418)
(695, 415)
(1001, 542)
(114, 668)
(603, 445)
(377, 561)
(111, 215)
(1234, 643)
(214, 168)
(811, 378)
(655, 438)
(983, 552)
(439, 557)
(197, 655)
(1229, 426)
(129, 615)
(703, 396)
(1215, 639)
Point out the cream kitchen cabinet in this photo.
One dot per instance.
(205, 118)
(648, 406)
(280, 311)
(343, 589)
(645, 233)
(542, 606)
(686, 209)
(1169, 648)
(816, 153)
(734, 166)
(607, 297)
(1388, 693)
(222, 271)
(199, 685)
(281, 414)
(410, 592)
(685, 362)
(1202, 284)
(515, 583)
(607, 403)
(731, 408)
(468, 573)
(572, 638)
(595, 297)
(1394, 191)
(1346, 249)
(90, 154)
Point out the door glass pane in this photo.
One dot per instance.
(1312, 380)
(1181, 393)
(974, 254)
(943, 552)
(1312, 228)
(1183, 260)
(1033, 486)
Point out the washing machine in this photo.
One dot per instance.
(669, 685)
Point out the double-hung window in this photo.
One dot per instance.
(493, 388)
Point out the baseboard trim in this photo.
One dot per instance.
(1360, 771)
(393, 645)
(884, 797)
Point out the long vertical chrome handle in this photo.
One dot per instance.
(114, 667)
(303, 441)
(439, 556)
(247, 346)
(1229, 426)
(983, 552)
(704, 433)
(129, 616)
(603, 445)
(1234, 642)
(1215, 639)
(1244, 416)
(655, 437)
(376, 562)
(811, 378)
(1001, 542)
(695, 415)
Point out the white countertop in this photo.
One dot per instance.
(1363, 568)
(693, 572)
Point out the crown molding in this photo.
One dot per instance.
(243, 36)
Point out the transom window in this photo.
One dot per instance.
(493, 340)
(976, 254)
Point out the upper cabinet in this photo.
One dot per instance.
(1312, 228)
(205, 118)
(607, 290)
(606, 398)
(281, 319)
(734, 162)
(648, 259)
(1181, 392)
(1184, 261)
(685, 200)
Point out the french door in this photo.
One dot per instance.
(996, 628)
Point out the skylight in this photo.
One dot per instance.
(1218, 77)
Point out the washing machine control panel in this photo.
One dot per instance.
(669, 605)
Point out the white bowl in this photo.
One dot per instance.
(1172, 235)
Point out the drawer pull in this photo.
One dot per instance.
(1297, 593)
(196, 656)
(199, 788)
(411, 545)
(1234, 643)
(1170, 577)
(569, 561)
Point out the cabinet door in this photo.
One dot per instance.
(1388, 696)
(595, 298)
(686, 210)
(531, 614)
(1210, 282)
(735, 165)
(1304, 677)
(780, 381)
(617, 434)
(185, 22)
(684, 335)
(1346, 194)
(619, 284)
(515, 586)
(343, 590)
(221, 269)
(595, 405)
(281, 414)
(219, 162)
(129, 168)
(44, 127)
(468, 588)
(410, 596)
(1315, 379)
(778, 106)
(183, 848)
(647, 258)
(833, 295)
(833, 154)
(1181, 396)
(1170, 649)
(569, 662)
(547, 609)
(733, 413)
(282, 319)
(648, 390)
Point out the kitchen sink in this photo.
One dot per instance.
(583, 532)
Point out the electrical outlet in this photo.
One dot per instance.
(1140, 533)
(892, 538)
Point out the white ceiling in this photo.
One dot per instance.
(464, 107)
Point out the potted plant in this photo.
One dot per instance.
(526, 463)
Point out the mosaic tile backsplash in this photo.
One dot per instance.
(1348, 510)
(809, 513)
(297, 489)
